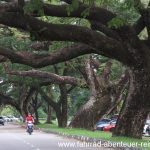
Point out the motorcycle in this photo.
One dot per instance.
(30, 127)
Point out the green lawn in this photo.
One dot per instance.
(95, 134)
(72, 131)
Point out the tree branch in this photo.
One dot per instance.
(139, 25)
(9, 7)
(95, 13)
(38, 61)
(104, 29)
(46, 31)
(6, 100)
(51, 76)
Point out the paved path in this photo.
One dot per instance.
(14, 137)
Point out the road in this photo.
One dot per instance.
(13, 137)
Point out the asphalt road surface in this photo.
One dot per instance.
(13, 137)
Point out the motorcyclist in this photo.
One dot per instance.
(29, 119)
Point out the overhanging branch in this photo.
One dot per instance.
(56, 79)
(99, 14)
(55, 32)
(38, 61)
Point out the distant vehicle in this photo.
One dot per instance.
(2, 121)
(6, 119)
(14, 119)
(105, 120)
(9, 119)
(110, 127)
(102, 123)
(114, 117)
(146, 130)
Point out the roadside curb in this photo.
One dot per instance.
(90, 140)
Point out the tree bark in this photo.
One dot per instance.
(64, 105)
(36, 116)
(59, 118)
(49, 111)
(35, 107)
(89, 114)
(136, 107)
(62, 108)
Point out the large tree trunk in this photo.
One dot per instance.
(64, 105)
(49, 113)
(25, 110)
(104, 96)
(34, 107)
(62, 108)
(89, 113)
(23, 115)
(136, 107)
(61, 120)
(98, 103)
(36, 116)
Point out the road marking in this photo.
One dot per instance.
(37, 149)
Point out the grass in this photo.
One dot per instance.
(96, 134)
(73, 131)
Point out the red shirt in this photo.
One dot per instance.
(29, 118)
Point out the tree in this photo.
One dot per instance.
(104, 95)
(35, 105)
(125, 47)
(60, 106)
(49, 114)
